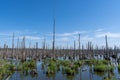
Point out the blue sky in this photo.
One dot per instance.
(34, 19)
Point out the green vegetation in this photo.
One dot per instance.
(69, 70)
(26, 66)
(111, 68)
(100, 68)
(119, 67)
(67, 67)
(5, 68)
(52, 67)
(94, 62)
(103, 68)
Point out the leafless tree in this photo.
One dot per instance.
(13, 46)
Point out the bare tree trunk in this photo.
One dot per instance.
(36, 49)
(74, 50)
(13, 46)
(23, 50)
(54, 38)
(106, 46)
(17, 53)
(107, 54)
(79, 47)
(29, 54)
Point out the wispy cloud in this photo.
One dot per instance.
(99, 30)
(109, 34)
(31, 37)
(63, 39)
(95, 36)
(73, 33)
(68, 33)
(5, 34)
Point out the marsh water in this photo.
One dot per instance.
(84, 73)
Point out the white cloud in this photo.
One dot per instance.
(87, 38)
(31, 37)
(63, 39)
(99, 30)
(68, 33)
(109, 34)
(96, 37)
(5, 34)
(73, 33)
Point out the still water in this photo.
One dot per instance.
(85, 73)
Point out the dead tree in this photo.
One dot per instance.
(5, 51)
(53, 48)
(36, 49)
(83, 53)
(53, 38)
(13, 46)
(79, 47)
(107, 54)
(23, 50)
(17, 53)
(74, 54)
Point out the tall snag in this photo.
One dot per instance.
(23, 49)
(53, 37)
(13, 46)
(79, 47)
(107, 54)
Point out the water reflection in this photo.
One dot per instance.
(84, 73)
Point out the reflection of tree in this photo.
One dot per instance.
(70, 77)
(50, 76)
(34, 75)
(91, 72)
(110, 77)
(101, 74)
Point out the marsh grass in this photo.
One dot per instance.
(5, 68)
(100, 68)
(119, 67)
